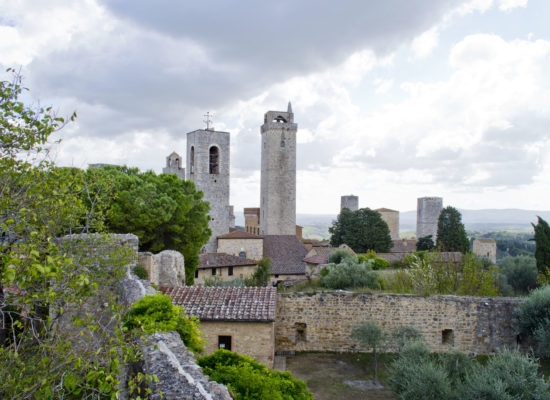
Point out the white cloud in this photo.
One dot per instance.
(424, 44)
(506, 5)
(383, 85)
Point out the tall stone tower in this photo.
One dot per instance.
(208, 167)
(427, 215)
(391, 217)
(278, 181)
(350, 202)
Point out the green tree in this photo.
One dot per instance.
(542, 242)
(425, 243)
(362, 230)
(165, 212)
(520, 272)
(50, 279)
(451, 235)
(534, 318)
(261, 275)
(371, 336)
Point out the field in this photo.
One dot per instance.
(336, 376)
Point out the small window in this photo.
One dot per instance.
(192, 158)
(213, 271)
(214, 160)
(447, 337)
(224, 342)
(300, 332)
(196, 273)
(282, 143)
(242, 254)
(230, 271)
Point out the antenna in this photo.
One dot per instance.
(208, 121)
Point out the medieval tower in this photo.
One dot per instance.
(350, 202)
(208, 167)
(173, 166)
(427, 216)
(278, 178)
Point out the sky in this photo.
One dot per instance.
(394, 100)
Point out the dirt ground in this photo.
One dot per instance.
(332, 376)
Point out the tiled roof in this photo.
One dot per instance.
(320, 255)
(485, 240)
(214, 260)
(286, 253)
(318, 259)
(225, 303)
(403, 246)
(238, 234)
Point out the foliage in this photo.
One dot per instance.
(520, 272)
(425, 243)
(165, 212)
(542, 243)
(53, 345)
(350, 274)
(362, 230)
(405, 334)
(378, 264)
(247, 379)
(261, 275)
(338, 255)
(371, 336)
(534, 318)
(218, 281)
(156, 313)
(451, 235)
(510, 243)
(429, 274)
(140, 272)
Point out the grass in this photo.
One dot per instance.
(341, 376)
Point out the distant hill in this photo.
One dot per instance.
(511, 219)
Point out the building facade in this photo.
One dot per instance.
(174, 165)
(427, 215)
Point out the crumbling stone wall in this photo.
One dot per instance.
(323, 321)
(166, 268)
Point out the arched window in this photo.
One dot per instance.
(242, 254)
(282, 143)
(214, 160)
(192, 158)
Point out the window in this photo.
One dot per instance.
(230, 271)
(447, 337)
(196, 273)
(192, 158)
(213, 271)
(300, 332)
(214, 160)
(224, 342)
(282, 143)
(242, 254)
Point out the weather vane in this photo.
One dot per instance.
(207, 120)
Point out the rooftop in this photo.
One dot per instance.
(239, 234)
(215, 260)
(286, 253)
(225, 303)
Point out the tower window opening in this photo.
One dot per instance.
(282, 143)
(214, 160)
(447, 337)
(192, 158)
(280, 120)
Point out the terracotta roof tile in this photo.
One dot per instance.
(286, 253)
(225, 303)
(214, 260)
(238, 234)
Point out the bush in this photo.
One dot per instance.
(339, 255)
(157, 314)
(351, 274)
(520, 271)
(380, 263)
(261, 275)
(534, 318)
(247, 379)
(141, 272)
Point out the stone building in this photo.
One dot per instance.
(278, 174)
(350, 202)
(224, 267)
(242, 244)
(240, 319)
(391, 217)
(173, 165)
(208, 168)
(252, 220)
(427, 215)
(485, 247)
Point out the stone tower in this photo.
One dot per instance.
(278, 179)
(427, 215)
(391, 217)
(173, 165)
(208, 167)
(350, 202)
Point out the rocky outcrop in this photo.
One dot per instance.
(166, 268)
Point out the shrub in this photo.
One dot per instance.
(247, 379)
(405, 334)
(141, 272)
(261, 275)
(350, 274)
(520, 271)
(218, 281)
(339, 255)
(380, 263)
(534, 317)
(156, 313)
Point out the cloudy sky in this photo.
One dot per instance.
(394, 100)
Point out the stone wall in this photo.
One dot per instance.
(254, 248)
(166, 268)
(254, 339)
(323, 321)
(245, 271)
